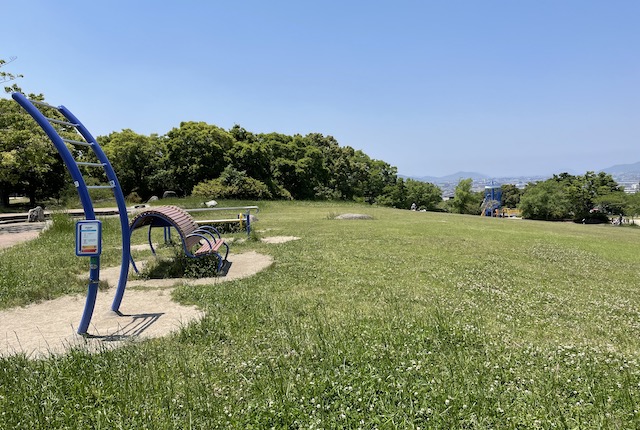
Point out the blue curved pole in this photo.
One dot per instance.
(85, 199)
(67, 158)
(122, 207)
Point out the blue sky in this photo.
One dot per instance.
(501, 87)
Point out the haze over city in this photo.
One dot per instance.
(502, 88)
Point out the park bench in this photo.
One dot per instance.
(197, 240)
(243, 219)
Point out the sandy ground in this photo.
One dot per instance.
(147, 310)
(279, 239)
(16, 233)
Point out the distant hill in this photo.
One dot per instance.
(618, 169)
(623, 168)
(455, 177)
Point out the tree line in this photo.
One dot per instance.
(201, 159)
(205, 160)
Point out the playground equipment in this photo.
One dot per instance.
(87, 236)
(59, 122)
(510, 213)
(197, 240)
(492, 198)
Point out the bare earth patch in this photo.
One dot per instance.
(10, 239)
(279, 239)
(12, 234)
(354, 216)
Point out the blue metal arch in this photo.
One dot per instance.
(85, 198)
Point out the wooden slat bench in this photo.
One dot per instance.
(197, 240)
(244, 219)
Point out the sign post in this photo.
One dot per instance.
(88, 238)
(89, 244)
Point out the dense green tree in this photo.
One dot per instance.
(404, 193)
(25, 157)
(612, 202)
(29, 163)
(197, 151)
(378, 176)
(464, 201)
(138, 160)
(584, 191)
(254, 158)
(545, 200)
(510, 196)
(395, 195)
(632, 205)
(342, 180)
(424, 194)
(586, 198)
(232, 183)
(240, 134)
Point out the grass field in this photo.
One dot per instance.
(408, 320)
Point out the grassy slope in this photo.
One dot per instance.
(407, 320)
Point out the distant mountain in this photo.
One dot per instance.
(618, 169)
(623, 168)
(455, 177)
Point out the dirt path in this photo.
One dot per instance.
(147, 310)
(12, 234)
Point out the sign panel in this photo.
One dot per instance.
(88, 238)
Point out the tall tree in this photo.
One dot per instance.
(632, 205)
(463, 198)
(29, 163)
(424, 194)
(545, 200)
(510, 196)
(378, 176)
(197, 151)
(584, 191)
(137, 160)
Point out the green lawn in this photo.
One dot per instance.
(408, 320)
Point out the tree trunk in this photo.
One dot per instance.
(4, 198)
(32, 198)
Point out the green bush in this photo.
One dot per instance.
(232, 184)
(181, 266)
(133, 198)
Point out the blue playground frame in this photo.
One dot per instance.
(33, 107)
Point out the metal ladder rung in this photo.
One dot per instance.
(36, 102)
(57, 121)
(98, 187)
(77, 142)
(86, 163)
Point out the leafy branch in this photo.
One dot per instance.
(6, 76)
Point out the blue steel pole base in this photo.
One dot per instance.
(92, 293)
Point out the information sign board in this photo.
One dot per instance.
(88, 238)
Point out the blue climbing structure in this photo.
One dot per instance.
(63, 123)
(492, 199)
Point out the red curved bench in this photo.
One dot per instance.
(197, 240)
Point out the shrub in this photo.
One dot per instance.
(134, 198)
(232, 184)
(181, 266)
